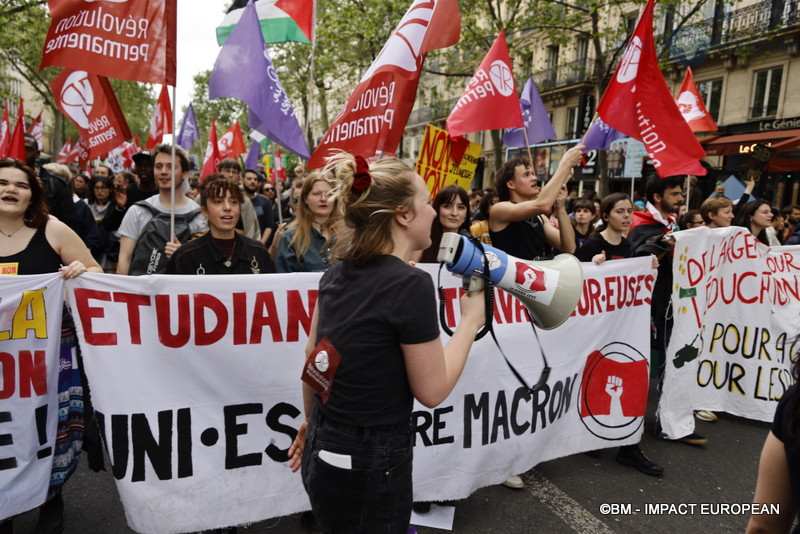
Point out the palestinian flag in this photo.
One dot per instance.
(281, 20)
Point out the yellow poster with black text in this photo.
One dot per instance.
(437, 166)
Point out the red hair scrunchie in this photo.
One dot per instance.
(362, 179)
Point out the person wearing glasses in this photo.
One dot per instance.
(306, 243)
(691, 219)
(98, 198)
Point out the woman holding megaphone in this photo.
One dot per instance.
(373, 348)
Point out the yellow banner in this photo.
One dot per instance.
(436, 165)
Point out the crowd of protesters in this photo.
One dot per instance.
(352, 221)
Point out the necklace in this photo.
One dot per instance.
(14, 232)
(228, 262)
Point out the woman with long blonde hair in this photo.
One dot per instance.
(305, 246)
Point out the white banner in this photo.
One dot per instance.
(198, 387)
(30, 333)
(736, 304)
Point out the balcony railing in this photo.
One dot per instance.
(564, 74)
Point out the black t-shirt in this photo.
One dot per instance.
(367, 311)
(263, 207)
(596, 244)
(780, 427)
(524, 239)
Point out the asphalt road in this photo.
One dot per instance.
(566, 495)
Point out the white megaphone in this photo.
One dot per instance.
(549, 289)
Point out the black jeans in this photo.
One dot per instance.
(358, 478)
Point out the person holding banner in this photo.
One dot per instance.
(609, 243)
(222, 250)
(374, 347)
(32, 242)
(756, 216)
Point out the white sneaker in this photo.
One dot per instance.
(514, 482)
(705, 415)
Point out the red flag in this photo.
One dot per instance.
(373, 119)
(89, 101)
(136, 142)
(212, 158)
(162, 119)
(692, 107)
(63, 154)
(231, 144)
(638, 103)
(16, 148)
(76, 151)
(5, 133)
(126, 40)
(36, 129)
(278, 172)
(490, 101)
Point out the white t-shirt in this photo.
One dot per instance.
(137, 218)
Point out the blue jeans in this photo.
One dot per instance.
(358, 478)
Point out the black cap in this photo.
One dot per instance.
(144, 154)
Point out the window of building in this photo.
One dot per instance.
(552, 56)
(581, 50)
(572, 123)
(766, 91)
(711, 93)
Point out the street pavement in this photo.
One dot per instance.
(573, 494)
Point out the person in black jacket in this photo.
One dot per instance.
(221, 250)
(56, 192)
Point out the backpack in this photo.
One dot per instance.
(148, 255)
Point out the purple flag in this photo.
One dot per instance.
(243, 70)
(600, 136)
(188, 133)
(535, 117)
(251, 161)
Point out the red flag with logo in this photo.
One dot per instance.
(90, 103)
(212, 158)
(231, 144)
(490, 101)
(16, 148)
(126, 40)
(595, 383)
(162, 119)
(36, 129)
(5, 133)
(63, 154)
(691, 106)
(638, 103)
(374, 117)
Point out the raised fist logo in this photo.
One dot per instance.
(530, 278)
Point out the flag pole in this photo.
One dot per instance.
(278, 188)
(583, 137)
(528, 146)
(172, 186)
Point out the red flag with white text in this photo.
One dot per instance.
(89, 101)
(161, 122)
(36, 129)
(212, 158)
(373, 119)
(231, 144)
(125, 40)
(16, 148)
(5, 133)
(490, 100)
(691, 106)
(63, 154)
(638, 103)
